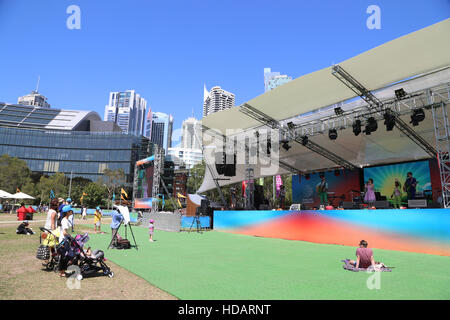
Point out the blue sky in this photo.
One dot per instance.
(167, 50)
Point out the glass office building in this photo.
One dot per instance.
(85, 147)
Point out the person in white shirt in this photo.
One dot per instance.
(65, 231)
(71, 217)
(52, 216)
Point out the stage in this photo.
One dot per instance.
(412, 230)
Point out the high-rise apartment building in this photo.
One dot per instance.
(127, 109)
(274, 79)
(216, 100)
(191, 134)
(161, 130)
(148, 124)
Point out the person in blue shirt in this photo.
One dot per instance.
(61, 204)
(117, 218)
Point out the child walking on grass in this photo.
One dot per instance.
(97, 220)
(151, 228)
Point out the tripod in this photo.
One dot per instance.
(196, 220)
(114, 239)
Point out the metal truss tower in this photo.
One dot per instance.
(158, 167)
(442, 131)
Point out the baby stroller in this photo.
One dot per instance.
(91, 262)
(47, 250)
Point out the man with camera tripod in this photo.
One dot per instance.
(117, 218)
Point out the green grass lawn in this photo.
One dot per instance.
(216, 265)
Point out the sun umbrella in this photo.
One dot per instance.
(6, 195)
(21, 195)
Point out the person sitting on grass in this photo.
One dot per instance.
(23, 228)
(364, 256)
(97, 220)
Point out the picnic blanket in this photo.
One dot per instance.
(348, 266)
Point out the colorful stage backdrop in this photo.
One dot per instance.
(413, 230)
(384, 177)
(340, 187)
(426, 173)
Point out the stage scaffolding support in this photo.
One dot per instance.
(375, 105)
(442, 131)
(158, 167)
(274, 124)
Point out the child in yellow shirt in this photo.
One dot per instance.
(97, 220)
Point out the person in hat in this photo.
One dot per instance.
(61, 204)
(71, 217)
(97, 220)
(67, 211)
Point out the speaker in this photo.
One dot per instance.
(382, 204)
(220, 162)
(230, 166)
(350, 205)
(417, 203)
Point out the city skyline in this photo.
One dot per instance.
(170, 36)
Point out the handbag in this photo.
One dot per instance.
(43, 252)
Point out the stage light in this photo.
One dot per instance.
(337, 172)
(417, 116)
(285, 145)
(357, 127)
(389, 121)
(338, 111)
(371, 126)
(291, 125)
(400, 93)
(332, 134)
(304, 140)
(307, 176)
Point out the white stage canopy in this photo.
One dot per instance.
(421, 57)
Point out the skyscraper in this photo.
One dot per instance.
(161, 131)
(191, 134)
(216, 100)
(148, 124)
(127, 109)
(274, 79)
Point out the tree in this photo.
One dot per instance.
(79, 185)
(196, 175)
(111, 180)
(14, 173)
(57, 183)
(96, 195)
